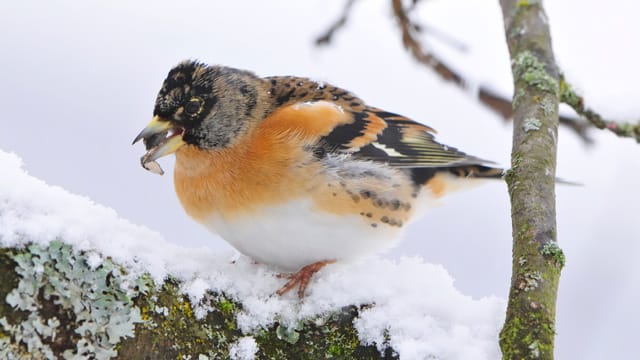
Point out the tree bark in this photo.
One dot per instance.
(55, 304)
(529, 328)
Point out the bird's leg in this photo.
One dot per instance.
(302, 277)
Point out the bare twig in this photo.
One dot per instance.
(504, 108)
(499, 104)
(326, 38)
(579, 127)
(493, 101)
(622, 129)
(413, 5)
(415, 47)
(442, 36)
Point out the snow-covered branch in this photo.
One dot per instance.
(63, 304)
(77, 281)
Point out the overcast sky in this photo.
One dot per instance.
(79, 80)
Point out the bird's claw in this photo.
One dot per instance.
(301, 278)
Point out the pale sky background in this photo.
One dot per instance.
(79, 79)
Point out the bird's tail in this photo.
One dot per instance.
(422, 175)
(487, 172)
(450, 179)
(477, 172)
(444, 180)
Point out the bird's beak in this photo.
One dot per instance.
(161, 138)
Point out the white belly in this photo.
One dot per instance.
(294, 234)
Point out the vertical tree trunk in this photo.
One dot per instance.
(529, 329)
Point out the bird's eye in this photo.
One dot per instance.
(193, 107)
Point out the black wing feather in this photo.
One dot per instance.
(401, 142)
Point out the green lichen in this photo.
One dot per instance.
(510, 174)
(61, 305)
(519, 331)
(534, 349)
(517, 97)
(227, 307)
(548, 106)
(169, 314)
(524, 232)
(75, 310)
(531, 124)
(516, 160)
(9, 282)
(529, 331)
(568, 95)
(509, 177)
(626, 129)
(528, 68)
(553, 252)
(289, 334)
(531, 280)
(330, 337)
(525, 3)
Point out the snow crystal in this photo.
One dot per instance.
(244, 349)
(415, 307)
(94, 260)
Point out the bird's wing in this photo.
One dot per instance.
(343, 123)
(378, 135)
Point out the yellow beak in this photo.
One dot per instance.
(161, 137)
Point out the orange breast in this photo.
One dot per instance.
(268, 166)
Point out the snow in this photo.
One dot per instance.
(244, 349)
(416, 303)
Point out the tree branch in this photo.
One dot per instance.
(569, 97)
(326, 38)
(504, 108)
(410, 42)
(409, 29)
(528, 331)
(54, 305)
(491, 100)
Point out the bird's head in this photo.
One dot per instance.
(205, 106)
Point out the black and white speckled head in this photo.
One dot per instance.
(213, 104)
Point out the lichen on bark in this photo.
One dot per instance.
(529, 328)
(58, 303)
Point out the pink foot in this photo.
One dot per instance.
(302, 278)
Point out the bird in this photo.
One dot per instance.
(296, 173)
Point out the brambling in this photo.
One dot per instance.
(293, 172)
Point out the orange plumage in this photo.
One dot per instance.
(296, 173)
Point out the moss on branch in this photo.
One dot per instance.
(58, 303)
(529, 332)
(622, 129)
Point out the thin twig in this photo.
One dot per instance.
(493, 101)
(497, 103)
(326, 38)
(442, 36)
(622, 129)
(504, 108)
(415, 47)
(413, 5)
